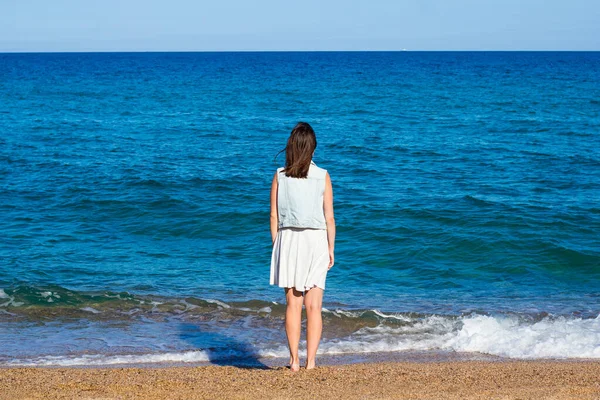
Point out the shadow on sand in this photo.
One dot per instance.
(222, 349)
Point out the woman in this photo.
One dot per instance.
(303, 235)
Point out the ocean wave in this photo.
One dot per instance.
(33, 302)
(505, 336)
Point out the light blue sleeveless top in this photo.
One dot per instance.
(300, 200)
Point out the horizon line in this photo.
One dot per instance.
(297, 51)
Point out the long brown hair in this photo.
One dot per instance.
(299, 150)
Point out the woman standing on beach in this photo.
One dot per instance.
(303, 235)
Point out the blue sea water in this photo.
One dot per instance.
(134, 203)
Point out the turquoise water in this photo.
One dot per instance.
(134, 202)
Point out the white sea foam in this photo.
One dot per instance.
(90, 309)
(188, 306)
(560, 338)
(155, 305)
(339, 313)
(100, 359)
(131, 312)
(358, 314)
(218, 302)
(393, 316)
(49, 296)
(502, 336)
(10, 300)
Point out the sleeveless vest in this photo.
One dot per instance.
(300, 200)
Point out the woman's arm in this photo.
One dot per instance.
(274, 215)
(328, 211)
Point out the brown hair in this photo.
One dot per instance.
(299, 150)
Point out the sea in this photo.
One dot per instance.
(134, 204)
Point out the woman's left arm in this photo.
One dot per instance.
(274, 215)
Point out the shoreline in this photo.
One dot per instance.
(503, 378)
(325, 360)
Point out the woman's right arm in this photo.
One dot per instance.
(274, 214)
(328, 211)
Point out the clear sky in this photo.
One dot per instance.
(197, 25)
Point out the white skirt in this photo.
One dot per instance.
(300, 259)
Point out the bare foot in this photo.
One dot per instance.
(294, 364)
(310, 365)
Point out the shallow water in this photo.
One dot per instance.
(135, 192)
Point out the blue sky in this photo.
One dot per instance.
(219, 25)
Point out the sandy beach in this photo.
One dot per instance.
(403, 380)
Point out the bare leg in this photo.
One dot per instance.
(293, 320)
(313, 301)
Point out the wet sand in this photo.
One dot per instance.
(393, 380)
